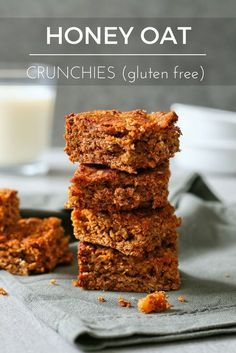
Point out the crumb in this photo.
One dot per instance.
(227, 275)
(101, 299)
(124, 303)
(74, 283)
(3, 291)
(182, 298)
(154, 302)
(53, 281)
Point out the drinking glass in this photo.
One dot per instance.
(26, 118)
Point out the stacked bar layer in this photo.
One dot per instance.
(126, 141)
(108, 269)
(132, 233)
(104, 189)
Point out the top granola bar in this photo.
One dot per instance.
(126, 141)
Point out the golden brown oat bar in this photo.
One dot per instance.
(34, 245)
(105, 189)
(9, 208)
(132, 233)
(108, 269)
(125, 141)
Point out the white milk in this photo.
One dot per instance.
(26, 114)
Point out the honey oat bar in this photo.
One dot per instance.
(108, 269)
(126, 141)
(132, 233)
(105, 189)
(9, 208)
(33, 245)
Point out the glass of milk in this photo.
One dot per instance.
(26, 117)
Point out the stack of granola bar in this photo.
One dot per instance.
(119, 196)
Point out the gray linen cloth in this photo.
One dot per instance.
(208, 271)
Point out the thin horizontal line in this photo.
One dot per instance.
(117, 54)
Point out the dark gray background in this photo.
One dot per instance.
(148, 97)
